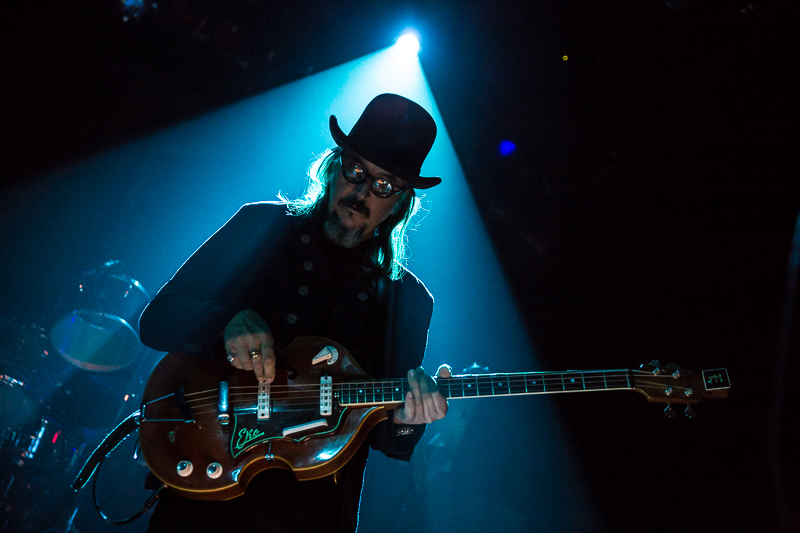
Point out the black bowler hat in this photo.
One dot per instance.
(393, 133)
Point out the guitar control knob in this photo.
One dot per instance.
(185, 468)
(214, 470)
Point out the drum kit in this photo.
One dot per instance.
(63, 385)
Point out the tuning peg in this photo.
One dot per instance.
(689, 412)
(670, 411)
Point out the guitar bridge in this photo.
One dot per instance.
(183, 405)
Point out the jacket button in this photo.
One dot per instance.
(305, 239)
(291, 319)
(363, 296)
(308, 266)
(303, 290)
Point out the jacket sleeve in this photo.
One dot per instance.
(190, 312)
(409, 313)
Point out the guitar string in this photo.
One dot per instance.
(490, 379)
(495, 379)
(379, 387)
(374, 389)
(545, 375)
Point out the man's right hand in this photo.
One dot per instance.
(250, 346)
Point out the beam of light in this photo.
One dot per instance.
(183, 183)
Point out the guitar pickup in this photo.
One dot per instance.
(325, 396)
(305, 427)
(262, 407)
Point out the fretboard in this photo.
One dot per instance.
(473, 386)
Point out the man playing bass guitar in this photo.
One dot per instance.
(334, 268)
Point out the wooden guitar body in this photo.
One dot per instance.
(187, 446)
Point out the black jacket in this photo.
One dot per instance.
(285, 269)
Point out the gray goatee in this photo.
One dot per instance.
(342, 235)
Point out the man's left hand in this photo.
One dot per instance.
(423, 403)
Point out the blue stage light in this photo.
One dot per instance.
(408, 42)
(507, 148)
(133, 8)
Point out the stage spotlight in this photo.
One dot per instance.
(507, 148)
(408, 42)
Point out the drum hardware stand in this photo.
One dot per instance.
(108, 445)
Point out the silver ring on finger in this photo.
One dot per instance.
(231, 358)
(255, 353)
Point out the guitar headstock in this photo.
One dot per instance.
(671, 384)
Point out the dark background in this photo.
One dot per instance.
(647, 213)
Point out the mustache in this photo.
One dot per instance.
(352, 201)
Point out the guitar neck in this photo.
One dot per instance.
(383, 392)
